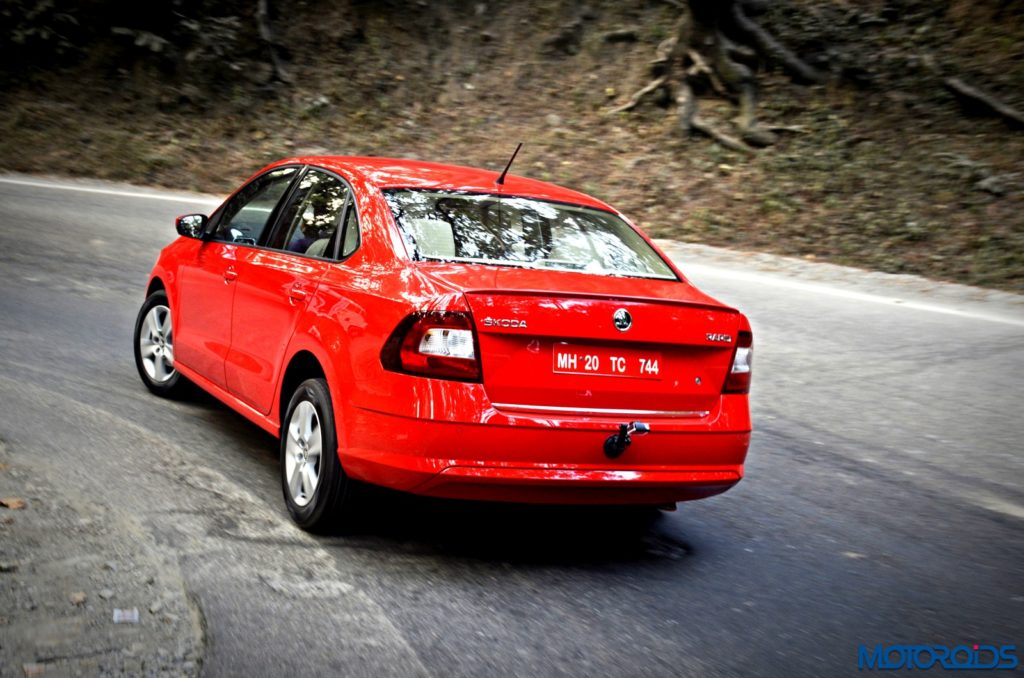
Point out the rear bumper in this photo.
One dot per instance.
(579, 486)
(526, 459)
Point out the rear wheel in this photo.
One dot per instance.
(316, 489)
(154, 347)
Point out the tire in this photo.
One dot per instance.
(154, 348)
(318, 493)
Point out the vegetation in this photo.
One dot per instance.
(848, 137)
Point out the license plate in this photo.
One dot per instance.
(606, 362)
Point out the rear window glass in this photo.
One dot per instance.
(513, 231)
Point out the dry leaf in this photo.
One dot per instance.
(13, 503)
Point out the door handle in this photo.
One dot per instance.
(230, 274)
(297, 293)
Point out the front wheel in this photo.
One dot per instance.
(154, 347)
(316, 489)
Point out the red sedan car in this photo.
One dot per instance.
(445, 331)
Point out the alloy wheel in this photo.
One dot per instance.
(156, 344)
(302, 453)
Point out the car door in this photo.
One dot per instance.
(275, 284)
(206, 287)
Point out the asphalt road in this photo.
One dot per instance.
(883, 500)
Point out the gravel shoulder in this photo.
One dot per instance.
(84, 590)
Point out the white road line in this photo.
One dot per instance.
(814, 288)
(107, 191)
(993, 503)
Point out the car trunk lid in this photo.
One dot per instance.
(600, 345)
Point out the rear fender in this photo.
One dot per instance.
(314, 334)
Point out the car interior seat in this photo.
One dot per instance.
(434, 237)
(318, 248)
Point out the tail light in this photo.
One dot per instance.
(440, 344)
(738, 380)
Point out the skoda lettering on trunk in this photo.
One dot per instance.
(505, 322)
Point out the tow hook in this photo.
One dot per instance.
(617, 443)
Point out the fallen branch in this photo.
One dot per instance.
(988, 102)
(621, 35)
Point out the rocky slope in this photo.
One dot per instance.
(882, 165)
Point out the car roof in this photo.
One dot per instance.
(404, 173)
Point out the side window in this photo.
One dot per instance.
(351, 242)
(246, 216)
(310, 223)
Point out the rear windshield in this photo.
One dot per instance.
(511, 231)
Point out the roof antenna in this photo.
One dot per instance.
(501, 179)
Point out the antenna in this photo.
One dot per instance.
(501, 178)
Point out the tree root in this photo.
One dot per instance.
(701, 55)
(766, 44)
(638, 96)
(267, 35)
(723, 139)
(690, 122)
(686, 108)
(700, 66)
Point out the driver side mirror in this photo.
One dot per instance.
(192, 225)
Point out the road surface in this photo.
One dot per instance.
(883, 501)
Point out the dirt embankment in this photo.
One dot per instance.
(881, 165)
